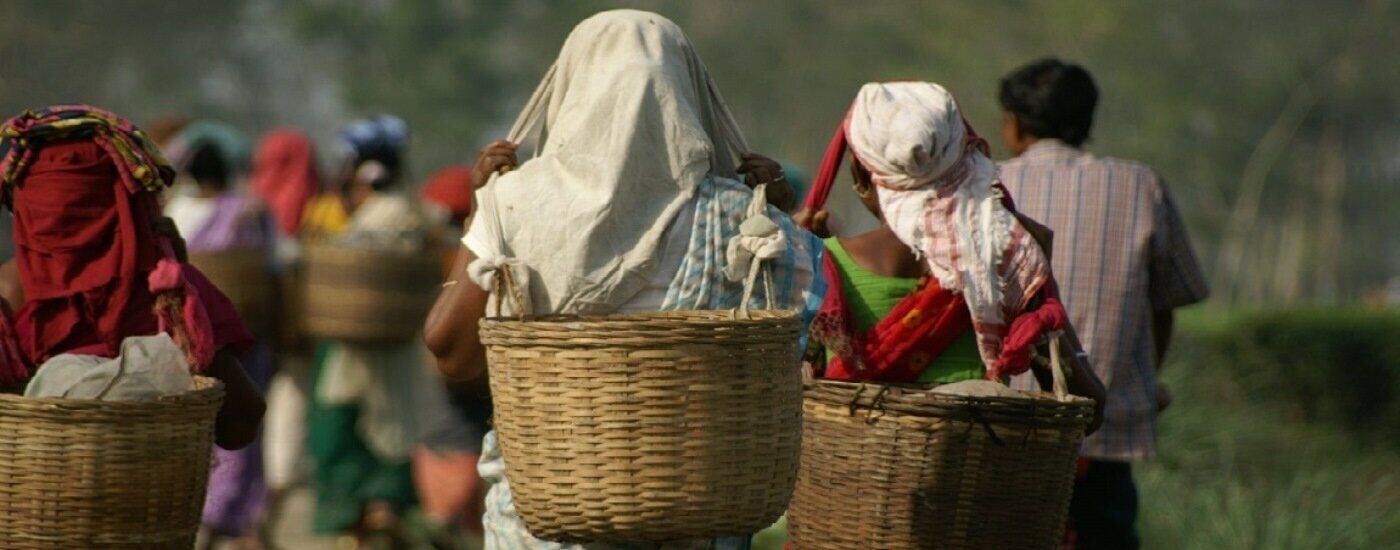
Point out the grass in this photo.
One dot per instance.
(1241, 471)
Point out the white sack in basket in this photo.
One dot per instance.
(148, 368)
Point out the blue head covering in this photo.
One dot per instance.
(381, 138)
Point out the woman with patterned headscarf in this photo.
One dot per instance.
(952, 285)
(97, 264)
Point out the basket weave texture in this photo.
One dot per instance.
(241, 274)
(368, 295)
(78, 473)
(647, 427)
(901, 467)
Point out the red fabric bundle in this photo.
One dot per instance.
(285, 177)
(451, 187)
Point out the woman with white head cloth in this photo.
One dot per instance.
(627, 203)
(953, 284)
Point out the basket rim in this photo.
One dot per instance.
(714, 317)
(206, 388)
(922, 393)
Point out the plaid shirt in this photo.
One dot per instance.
(1121, 253)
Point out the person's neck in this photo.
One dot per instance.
(882, 253)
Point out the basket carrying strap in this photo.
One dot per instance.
(759, 240)
(1059, 383)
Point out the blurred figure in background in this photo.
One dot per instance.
(229, 229)
(370, 403)
(1124, 264)
(285, 178)
(444, 467)
(447, 199)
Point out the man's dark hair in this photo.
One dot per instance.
(1051, 99)
(207, 166)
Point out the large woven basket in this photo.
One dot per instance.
(242, 275)
(895, 467)
(647, 427)
(78, 473)
(368, 295)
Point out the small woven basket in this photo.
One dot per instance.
(886, 467)
(647, 427)
(77, 473)
(242, 275)
(368, 295)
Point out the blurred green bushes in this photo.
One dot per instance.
(1339, 366)
(1281, 434)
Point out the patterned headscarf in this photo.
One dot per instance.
(939, 193)
(142, 167)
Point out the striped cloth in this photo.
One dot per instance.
(1121, 252)
(720, 207)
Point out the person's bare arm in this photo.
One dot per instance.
(11, 293)
(452, 329)
(236, 425)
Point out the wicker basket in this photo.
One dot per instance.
(242, 275)
(368, 295)
(647, 427)
(901, 467)
(102, 474)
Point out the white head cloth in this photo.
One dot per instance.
(937, 190)
(618, 135)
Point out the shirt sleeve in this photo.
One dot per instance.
(1175, 274)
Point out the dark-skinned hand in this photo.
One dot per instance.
(814, 221)
(759, 169)
(497, 157)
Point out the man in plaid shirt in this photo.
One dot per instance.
(1123, 262)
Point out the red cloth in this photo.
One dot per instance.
(285, 177)
(899, 347)
(1025, 331)
(451, 187)
(921, 326)
(92, 268)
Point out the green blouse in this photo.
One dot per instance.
(870, 297)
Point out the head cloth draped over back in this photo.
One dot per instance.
(82, 184)
(623, 128)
